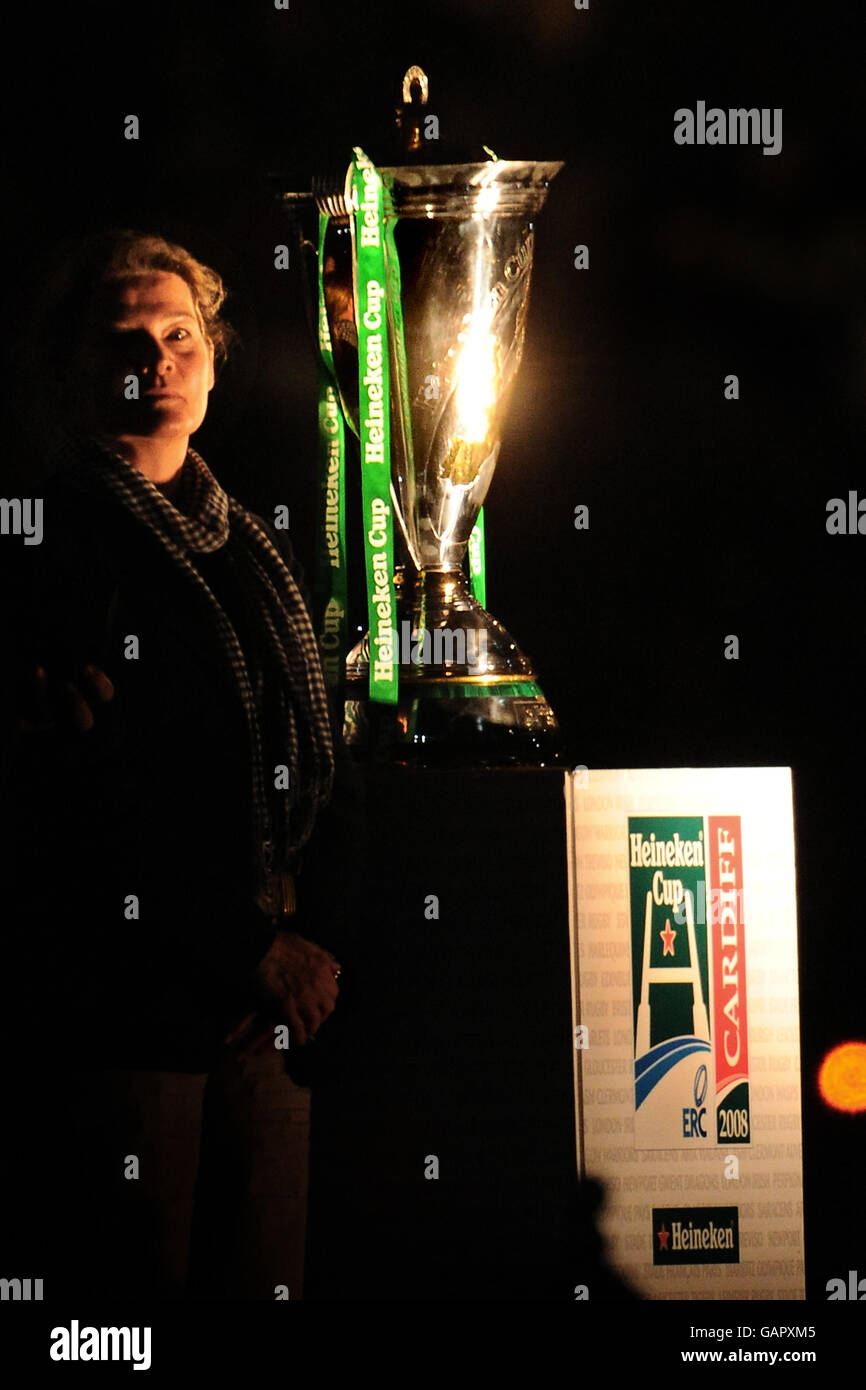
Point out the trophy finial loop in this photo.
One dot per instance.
(415, 77)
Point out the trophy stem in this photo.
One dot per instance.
(467, 692)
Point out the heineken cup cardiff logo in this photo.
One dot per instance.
(688, 978)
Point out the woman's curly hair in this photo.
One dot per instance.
(68, 297)
(130, 253)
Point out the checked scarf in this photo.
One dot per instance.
(209, 520)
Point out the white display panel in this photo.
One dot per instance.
(686, 1025)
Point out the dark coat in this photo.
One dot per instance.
(155, 802)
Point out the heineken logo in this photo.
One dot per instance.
(695, 1235)
(669, 853)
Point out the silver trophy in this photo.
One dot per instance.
(464, 235)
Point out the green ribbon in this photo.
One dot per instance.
(505, 689)
(478, 561)
(394, 286)
(331, 609)
(379, 317)
(374, 421)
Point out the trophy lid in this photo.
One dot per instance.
(413, 137)
(430, 177)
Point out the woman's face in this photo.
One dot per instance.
(144, 367)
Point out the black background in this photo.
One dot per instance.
(707, 516)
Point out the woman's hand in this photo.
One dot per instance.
(68, 705)
(297, 984)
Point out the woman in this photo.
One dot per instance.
(175, 750)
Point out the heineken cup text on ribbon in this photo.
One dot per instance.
(331, 572)
(374, 422)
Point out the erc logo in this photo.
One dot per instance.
(694, 1116)
(695, 1236)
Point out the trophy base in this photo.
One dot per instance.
(467, 694)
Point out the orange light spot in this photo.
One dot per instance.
(842, 1078)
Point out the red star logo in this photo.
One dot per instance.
(664, 1236)
(667, 937)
